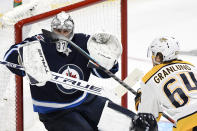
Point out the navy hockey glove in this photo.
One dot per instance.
(144, 122)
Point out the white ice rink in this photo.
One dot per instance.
(148, 19)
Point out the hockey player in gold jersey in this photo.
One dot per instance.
(170, 86)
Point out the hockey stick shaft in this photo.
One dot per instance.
(56, 37)
(168, 117)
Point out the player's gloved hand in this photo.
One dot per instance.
(138, 98)
(144, 122)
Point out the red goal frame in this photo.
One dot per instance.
(18, 39)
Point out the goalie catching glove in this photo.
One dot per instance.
(105, 49)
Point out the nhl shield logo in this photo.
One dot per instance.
(73, 71)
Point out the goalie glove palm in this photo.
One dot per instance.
(105, 49)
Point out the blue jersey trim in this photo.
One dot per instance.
(42, 109)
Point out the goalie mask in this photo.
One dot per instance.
(64, 25)
(167, 46)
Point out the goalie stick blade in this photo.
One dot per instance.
(131, 80)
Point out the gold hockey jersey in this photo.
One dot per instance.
(172, 88)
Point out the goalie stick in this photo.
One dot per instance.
(56, 37)
(82, 85)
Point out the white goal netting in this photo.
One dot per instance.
(103, 16)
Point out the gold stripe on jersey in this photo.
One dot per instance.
(137, 105)
(159, 116)
(156, 68)
(187, 123)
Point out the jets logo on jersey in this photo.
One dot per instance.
(73, 71)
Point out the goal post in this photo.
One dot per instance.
(92, 9)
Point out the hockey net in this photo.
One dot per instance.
(89, 16)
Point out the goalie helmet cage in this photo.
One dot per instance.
(83, 4)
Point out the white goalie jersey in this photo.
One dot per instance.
(171, 88)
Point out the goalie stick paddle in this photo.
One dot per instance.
(56, 37)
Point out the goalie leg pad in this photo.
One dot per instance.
(115, 118)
